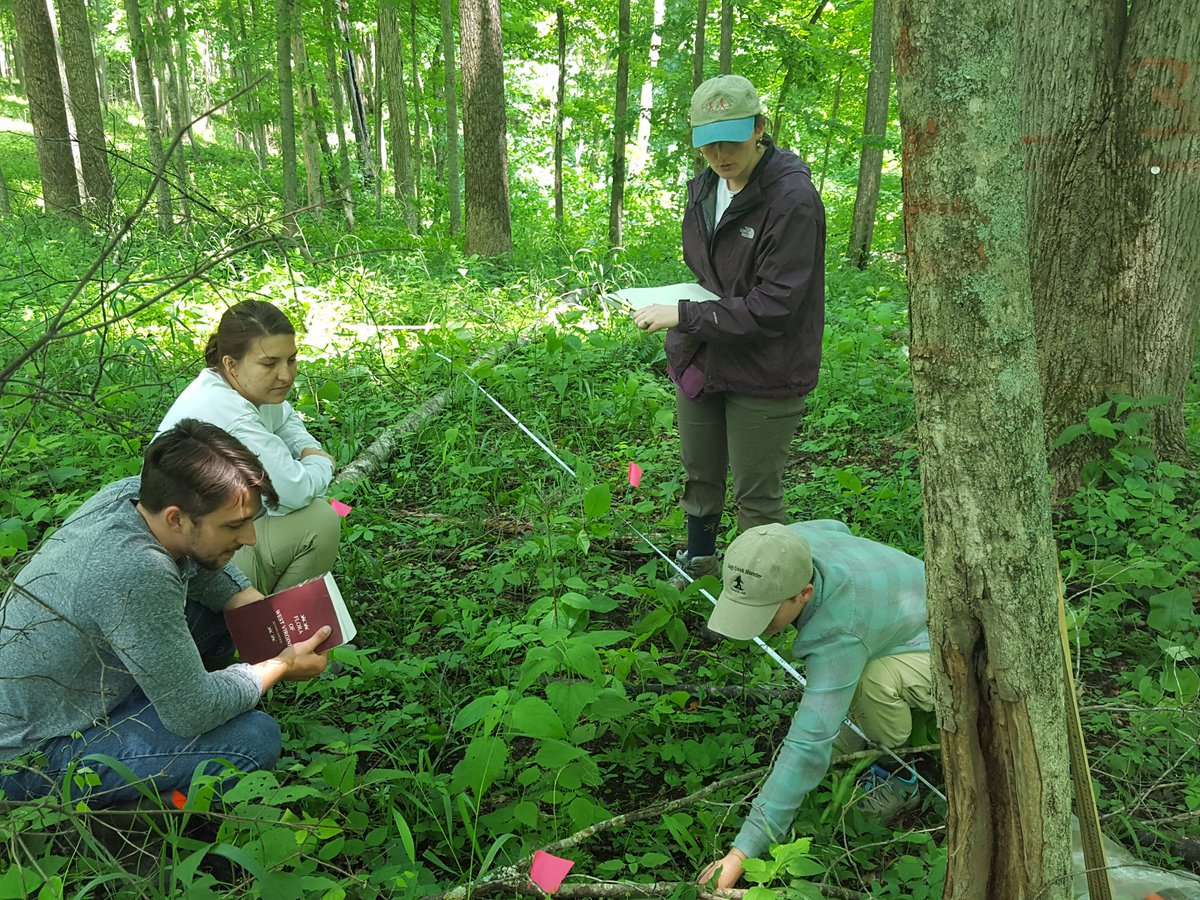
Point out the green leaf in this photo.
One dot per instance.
(535, 717)
(849, 481)
(584, 659)
(595, 602)
(480, 766)
(1171, 611)
(597, 501)
(1102, 426)
(1069, 434)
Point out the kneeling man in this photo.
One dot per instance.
(859, 611)
(103, 635)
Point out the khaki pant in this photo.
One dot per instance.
(890, 689)
(291, 549)
(748, 436)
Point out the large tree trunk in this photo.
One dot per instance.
(75, 33)
(870, 165)
(616, 203)
(485, 151)
(453, 179)
(248, 74)
(47, 107)
(1114, 211)
(154, 135)
(990, 557)
(287, 114)
(397, 94)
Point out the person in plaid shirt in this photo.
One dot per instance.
(859, 610)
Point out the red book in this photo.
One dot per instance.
(265, 628)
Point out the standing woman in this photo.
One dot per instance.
(251, 367)
(754, 235)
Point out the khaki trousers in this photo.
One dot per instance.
(890, 689)
(291, 549)
(748, 436)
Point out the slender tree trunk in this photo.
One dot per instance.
(75, 33)
(287, 114)
(453, 179)
(309, 119)
(380, 143)
(249, 73)
(354, 96)
(5, 205)
(616, 205)
(172, 94)
(47, 107)
(418, 109)
(641, 146)
(398, 133)
(726, 50)
(785, 91)
(832, 127)
(183, 73)
(339, 118)
(698, 72)
(154, 135)
(870, 164)
(1114, 213)
(560, 116)
(485, 150)
(990, 557)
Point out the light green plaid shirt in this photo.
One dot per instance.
(868, 602)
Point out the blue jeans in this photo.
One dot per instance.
(135, 736)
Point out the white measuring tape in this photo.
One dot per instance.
(770, 651)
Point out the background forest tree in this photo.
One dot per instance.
(489, 166)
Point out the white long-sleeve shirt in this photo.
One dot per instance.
(273, 432)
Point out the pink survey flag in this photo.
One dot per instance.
(635, 474)
(340, 508)
(548, 871)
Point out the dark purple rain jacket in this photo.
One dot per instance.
(765, 261)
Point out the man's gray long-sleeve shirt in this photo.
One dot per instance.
(99, 612)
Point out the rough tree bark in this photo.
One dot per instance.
(47, 107)
(75, 34)
(154, 134)
(334, 81)
(1112, 137)
(485, 151)
(616, 202)
(870, 165)
(698, 73)
(453, 179)
(990, 557)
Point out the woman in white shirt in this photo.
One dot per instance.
(251, 367)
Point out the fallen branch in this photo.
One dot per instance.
(636, 889)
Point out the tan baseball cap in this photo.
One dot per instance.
(763, 567)
(723, 109)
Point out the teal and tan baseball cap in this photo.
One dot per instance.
(763, 567)
(723, 109)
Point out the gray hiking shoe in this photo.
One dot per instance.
(886, 794)
(696, 567)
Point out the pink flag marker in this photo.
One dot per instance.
(548, 871)
(340, 508)
(635, 474)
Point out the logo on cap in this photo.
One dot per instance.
(717, 105)
(738, 586)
